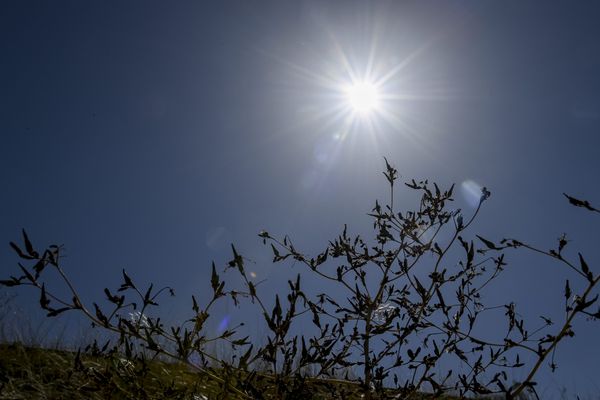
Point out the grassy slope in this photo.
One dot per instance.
(35, 373)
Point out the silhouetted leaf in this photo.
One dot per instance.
(148, 296)
(390, 174)
(422, 291)
(20, 252)
(237, 261)
(127, 282)
(100, 315)
(27, 274)
(567, 290)
(580, 203)
(44, 302)
(195, 306)
(440, 298)
(39, 267)
(582, 305)
(243, 363)
(12, 282)
(214, 279)
(117, 300)
(585, 269)
(54, 313)
(489, 244)
(29, 246)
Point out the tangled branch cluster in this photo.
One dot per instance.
(409, 311)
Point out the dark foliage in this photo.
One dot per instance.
(410, 310)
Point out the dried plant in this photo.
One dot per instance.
(408, 321)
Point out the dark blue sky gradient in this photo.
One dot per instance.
(150, 135)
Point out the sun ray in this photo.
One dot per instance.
(403, 64)
(365, 99)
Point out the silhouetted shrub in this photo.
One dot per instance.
(407, 313)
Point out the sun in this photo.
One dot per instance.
(363, 91)
(363, 97)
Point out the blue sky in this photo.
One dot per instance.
(150, 135)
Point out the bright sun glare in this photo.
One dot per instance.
(361, 90)
(363, 97)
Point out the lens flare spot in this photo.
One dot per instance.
(216, 237)
(223, 324)
(471, 191)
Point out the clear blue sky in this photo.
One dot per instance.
(150, 135)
